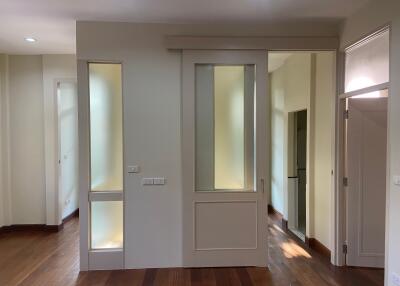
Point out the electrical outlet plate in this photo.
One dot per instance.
(159, 181)
(147, 181)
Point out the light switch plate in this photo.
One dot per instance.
(133, 169)
(396, 180)
(147, 181)
(395, 279)
(159, 181)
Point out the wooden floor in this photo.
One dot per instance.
(37, 258)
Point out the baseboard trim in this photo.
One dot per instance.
(318, 247)
(75, 213)
(39, 227)
(273, 211)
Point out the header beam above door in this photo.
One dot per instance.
(252, 43)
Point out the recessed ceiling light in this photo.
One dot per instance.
(30, 39)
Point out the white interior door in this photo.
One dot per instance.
(224, 158)
(366, 191)
(68, 146)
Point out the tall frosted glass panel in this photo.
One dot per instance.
(229, 127)
(105, 91)
(224, 100)
(367, 63)
(106, 224)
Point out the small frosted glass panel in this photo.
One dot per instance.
(367, 64)
(106, 224)
(224, 99)
(105, 91)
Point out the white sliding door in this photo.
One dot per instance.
(224, 154)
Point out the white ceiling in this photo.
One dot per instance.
(52, 22)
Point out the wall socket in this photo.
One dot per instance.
(395, 279)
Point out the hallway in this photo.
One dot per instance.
(38, 258)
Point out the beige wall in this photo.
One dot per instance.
(375, 15)
(305, 82)
(27, 86)
(28, 200)
(323, 148)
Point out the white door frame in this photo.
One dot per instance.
(339, 200)
(57, 134)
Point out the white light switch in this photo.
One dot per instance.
(159, 181)
(133, 169)
(147, 181)
(396, 180)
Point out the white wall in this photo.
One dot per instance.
(299, 85)
(152, 101)
(323, 155)
(368, 19)
(27, 140)
(27, 111)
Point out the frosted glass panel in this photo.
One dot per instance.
(106, 224)
(229, 127)
(105, 126)
(224, 127)
(367, 64)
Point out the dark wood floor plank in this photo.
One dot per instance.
(35, 258)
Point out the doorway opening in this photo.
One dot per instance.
(302, 94)
(67, 106)
(364, 104)
(297, 178)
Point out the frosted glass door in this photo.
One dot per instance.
(224, 127)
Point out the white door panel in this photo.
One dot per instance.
(224, 207)
(366, 165)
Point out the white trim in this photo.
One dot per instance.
(251, 43)
(106, 196)
(378, 87)
(84, 171)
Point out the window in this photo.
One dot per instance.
(367, 62)
(106, 156)
(105, 93)
(224, 125)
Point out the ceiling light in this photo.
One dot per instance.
(30, 39)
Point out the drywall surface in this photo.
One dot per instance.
(27, 140)
(323, 127)
(55, 67)
(372, 16)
